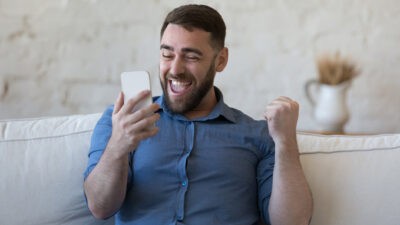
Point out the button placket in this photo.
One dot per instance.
(182, 170)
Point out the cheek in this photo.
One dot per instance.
(163, 66)
(200, 72)
(163, 69)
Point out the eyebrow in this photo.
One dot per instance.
(184, 50)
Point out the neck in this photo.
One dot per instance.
(205, 107)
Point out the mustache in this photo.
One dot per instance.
(180, 77)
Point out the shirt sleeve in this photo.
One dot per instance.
(264, 179)
(100, 137)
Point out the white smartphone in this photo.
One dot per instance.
(134, 82)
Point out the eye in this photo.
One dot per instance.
(192, 57)
(166, 54)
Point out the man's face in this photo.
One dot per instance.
(187, 67)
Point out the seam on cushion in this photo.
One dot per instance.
(46, 118)
(352, 150)
(305, 134)
(47, 137)
(26, 119)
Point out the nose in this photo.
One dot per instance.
(177, 66)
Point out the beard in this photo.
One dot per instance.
(191, 100)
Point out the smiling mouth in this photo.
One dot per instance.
(178, 87)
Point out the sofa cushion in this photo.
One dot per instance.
(41, 166)
(354, 179)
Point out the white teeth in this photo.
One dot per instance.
(179, 86)
(178, 83)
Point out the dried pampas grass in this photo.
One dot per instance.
(334, 69)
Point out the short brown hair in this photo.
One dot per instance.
(201, 17)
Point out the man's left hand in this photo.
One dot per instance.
(282, 115)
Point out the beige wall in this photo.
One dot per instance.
(60, 57)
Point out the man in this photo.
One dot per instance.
(203, 162)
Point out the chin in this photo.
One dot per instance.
(177, 106)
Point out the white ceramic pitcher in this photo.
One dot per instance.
(329, 105)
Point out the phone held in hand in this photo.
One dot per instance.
(134, 82)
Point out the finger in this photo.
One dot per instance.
(118, 103)
(274, 110)
(283, 102)
(267, 117)
(143, 113)
(149, 122)
(130, 104)
(275, 107)
(147, 133)
(280, 101)
(143, 126)
(138, 123)
(153, 107)
(284, 98)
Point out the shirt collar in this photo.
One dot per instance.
(220, 109)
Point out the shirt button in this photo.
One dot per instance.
(184, 183)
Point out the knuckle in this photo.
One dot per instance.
(141, 112)
(154, 107)
(134, 139)
(155, 117)
(124, 125)
(131, 101)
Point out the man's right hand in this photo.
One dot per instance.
(105, 187)
(129, 128)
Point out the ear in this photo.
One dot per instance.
(222, 59)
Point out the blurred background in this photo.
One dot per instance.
(61, 57)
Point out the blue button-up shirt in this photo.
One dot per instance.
(205, 171)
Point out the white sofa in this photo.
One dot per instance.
(355, 180)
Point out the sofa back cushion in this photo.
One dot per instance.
(41, 166)
(355, 180)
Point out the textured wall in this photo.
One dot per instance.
(60, 57)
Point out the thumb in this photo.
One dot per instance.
(118, 103)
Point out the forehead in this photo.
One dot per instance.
(177, 37)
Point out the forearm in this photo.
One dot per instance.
(291, 200)
(105, 187)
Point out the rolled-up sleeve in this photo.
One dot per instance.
(101, 135)
(265, 171)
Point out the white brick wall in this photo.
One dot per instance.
(64, 57)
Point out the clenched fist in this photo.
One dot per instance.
(281, 115)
